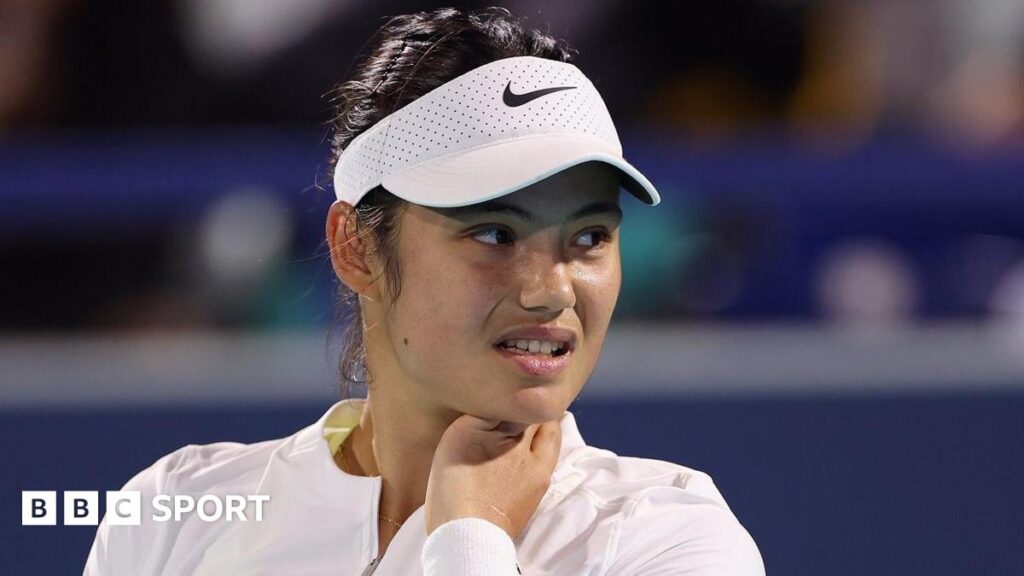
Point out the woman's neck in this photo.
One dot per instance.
(397, 443)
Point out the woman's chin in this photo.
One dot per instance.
(537, 404)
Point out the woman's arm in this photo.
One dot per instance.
(469, 547)
(681, 538)
(671, 532)
(125, 550)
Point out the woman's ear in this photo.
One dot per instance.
(348, 250)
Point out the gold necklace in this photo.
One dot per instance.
(347, 468)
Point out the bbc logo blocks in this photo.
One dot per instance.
(80, 507)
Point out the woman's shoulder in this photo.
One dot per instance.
(205, 467)
(650, 514)
(612, 478)
(194, 470)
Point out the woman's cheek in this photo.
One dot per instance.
(449, 318)
(600, 283)
(481, 286)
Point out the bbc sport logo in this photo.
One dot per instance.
(124, 507)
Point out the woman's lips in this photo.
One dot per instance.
(536, 364)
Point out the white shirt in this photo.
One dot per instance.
(603, 514)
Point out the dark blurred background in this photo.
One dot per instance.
(826, 312)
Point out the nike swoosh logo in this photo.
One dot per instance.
(512, 100)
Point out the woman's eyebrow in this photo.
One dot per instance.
(493, 207)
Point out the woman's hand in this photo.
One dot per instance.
(490, 469)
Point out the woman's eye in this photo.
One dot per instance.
(596, 237)
(499, 235)
(496, 235)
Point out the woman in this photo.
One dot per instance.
(476, 236)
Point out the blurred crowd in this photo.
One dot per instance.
(702, 77)
(711, 69)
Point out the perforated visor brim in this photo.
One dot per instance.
(494, 171)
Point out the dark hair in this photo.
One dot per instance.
(411, 55)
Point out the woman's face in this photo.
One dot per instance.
(470, 275)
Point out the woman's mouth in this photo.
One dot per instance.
(535, 347)
(538, 358)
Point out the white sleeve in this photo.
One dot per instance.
(671, 532)
(469, 547)
(132, 550)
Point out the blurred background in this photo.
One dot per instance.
(826, 312)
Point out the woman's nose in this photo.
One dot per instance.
(548, 285)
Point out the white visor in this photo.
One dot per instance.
(485, 134)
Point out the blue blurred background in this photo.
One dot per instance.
(826, 312)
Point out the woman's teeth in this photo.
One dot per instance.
(535, 346)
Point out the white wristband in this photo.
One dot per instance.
(469, 547)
